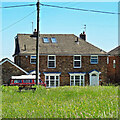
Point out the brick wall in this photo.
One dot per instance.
(64, 64)
(9, 70)
(114, 73)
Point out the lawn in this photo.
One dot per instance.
(61, 102)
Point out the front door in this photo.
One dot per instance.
(94, 80)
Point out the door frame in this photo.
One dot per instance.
(97, 73)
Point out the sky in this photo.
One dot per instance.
(101, 29)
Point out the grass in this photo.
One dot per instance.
(61, 102)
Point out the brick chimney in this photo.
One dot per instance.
(83, 36)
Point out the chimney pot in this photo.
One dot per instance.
(35, 33)
(83, 36)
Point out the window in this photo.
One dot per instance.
(52, 80)
(77, 61)
(33, 59)
(107, 60)
(51, 61)
(40, 81)
(27, 81)
(114, 63)
(94, 59)
(53, 40)
(17, 81)
(76, 80)
(46, 40)
(72, 80)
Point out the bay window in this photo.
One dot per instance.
(77, 79)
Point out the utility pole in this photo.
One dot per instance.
(37, 45)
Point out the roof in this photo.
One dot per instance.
(33, 72)
(24, 77)
(115, 51)
(66, 45)
(11, 62)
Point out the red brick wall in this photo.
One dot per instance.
(114, 73)
(64, 64)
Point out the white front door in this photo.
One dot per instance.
(94, 80)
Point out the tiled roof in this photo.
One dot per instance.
(66, 45)
(115, 51)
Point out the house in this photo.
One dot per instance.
(8, 69)
(114, 65)
(64, 59)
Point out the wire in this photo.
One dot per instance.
(78, 9)
(17, 22)
(18, 6)
(62, 7)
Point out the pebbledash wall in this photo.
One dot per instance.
(64, 66)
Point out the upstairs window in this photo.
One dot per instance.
(77, 61)
(33, 59)
(46, 40)
(94, 59)
(53, 39)
(107, 60)
(51, 61)
(114, 63)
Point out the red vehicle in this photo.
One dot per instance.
(25, 80)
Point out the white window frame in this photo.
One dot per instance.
(52, 60)
(94, 58)
(77, 60)
(81, 74)
(55, 75)
(32, 58)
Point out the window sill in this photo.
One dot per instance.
(33, 63)
(51, 67)
(76, 67)
(94, 63)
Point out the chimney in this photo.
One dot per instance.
(83, 36)
(35, 32)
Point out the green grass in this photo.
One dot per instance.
(61, 102)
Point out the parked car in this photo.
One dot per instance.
(25, 80)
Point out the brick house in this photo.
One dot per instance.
(8, 69)
(114, 65)
(64, 59)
